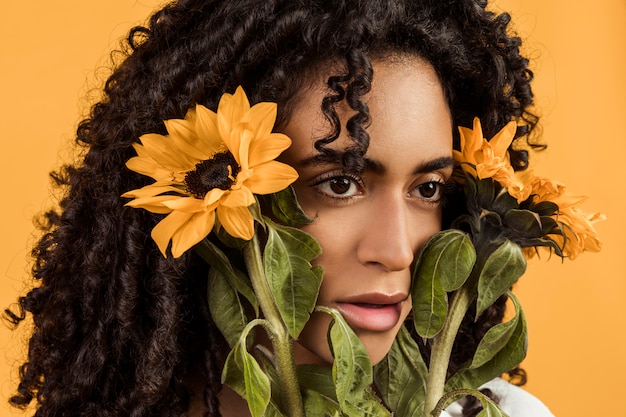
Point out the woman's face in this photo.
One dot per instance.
(370, 226)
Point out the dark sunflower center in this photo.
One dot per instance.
(217, 172)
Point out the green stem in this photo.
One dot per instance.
(448, 397)
(279, 335)
(442, 348)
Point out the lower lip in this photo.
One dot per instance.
(379, 318)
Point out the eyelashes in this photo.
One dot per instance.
(339, 186)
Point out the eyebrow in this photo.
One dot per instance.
(436, 164)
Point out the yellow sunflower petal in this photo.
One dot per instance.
(185, 138)
(186, 204)
(267, 148)
(145, 165)
(162, 150)
(261, 118)
(237, 221)
(153, 204)
(502, 140)
(207, 131)
(165, 229)
(230, 111)
(241, 137)
(152, 190)
(271, 177)
(213, 196)
(242, 197)
(192, 232)
(569, 200)
(474, 140)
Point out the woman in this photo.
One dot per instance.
(370, 92)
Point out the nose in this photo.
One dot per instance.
(387, 238)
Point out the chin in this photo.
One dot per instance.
(377, 346)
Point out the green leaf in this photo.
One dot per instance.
(285, 207)
(502, 269)
(490, 408)
(318, 378)
(545, 208)
(272, 410)
(486, 190)
(504, 360)
(317, 404)
(504, 202)
(352, 369)
(525, 223)
(369, 406)
(496, 338)
(491, 218)
(401, 377)
(244, 375)
(443, 265)
(294, 282)
(226, 307)
(217, 259)
(255, 211)
(320, 397)
(266, 360)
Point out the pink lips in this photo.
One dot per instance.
(373, 312)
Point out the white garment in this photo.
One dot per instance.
(512, 399)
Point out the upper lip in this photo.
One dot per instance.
(375, 298)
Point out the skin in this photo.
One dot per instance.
(370, 226)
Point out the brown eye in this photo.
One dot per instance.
(339, 187)
(430, 190)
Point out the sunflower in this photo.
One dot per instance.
(578, 234)
(489, 159)
(208, 167)
(484, 158)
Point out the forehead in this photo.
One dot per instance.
(406, 104)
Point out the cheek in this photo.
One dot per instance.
(425, 225)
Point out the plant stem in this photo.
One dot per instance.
(442, 348)
(279, 336)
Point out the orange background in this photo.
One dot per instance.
(576, 310)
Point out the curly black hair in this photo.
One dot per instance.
(119, 330)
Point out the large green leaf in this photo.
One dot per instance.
(486, 191)
(317, 404)
(226, 306)
(504, 202)
(368, 406)
(217, 259)
(293, 281)
(502, 269)
(443, 265)
(524, 223)
(401, 377)
(504, 360)
(267, 361)
(318, 378)
(244, 375)
(285, 207)
(497, 337)
(352, 369)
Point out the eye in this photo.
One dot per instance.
(431, 191)
(339, 186)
